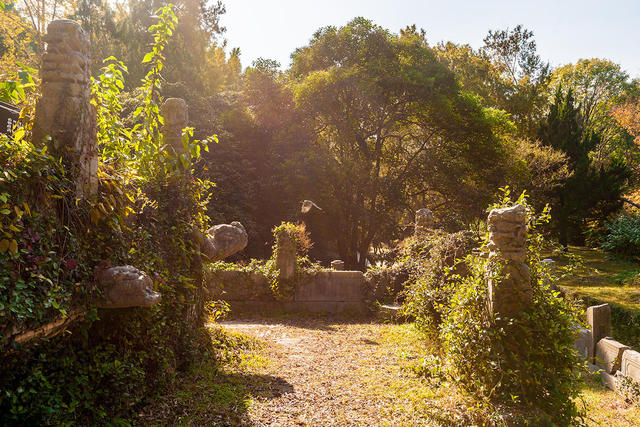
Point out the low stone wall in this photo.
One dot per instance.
(326, 291)
(616, 362)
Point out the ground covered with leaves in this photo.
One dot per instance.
(316, 371)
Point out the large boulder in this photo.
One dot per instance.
(222, 241)
(125, 286)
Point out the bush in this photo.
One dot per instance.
(435, 264)
(527, 361)
(623, 236)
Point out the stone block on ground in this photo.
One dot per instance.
(582, 342)
(608, 354)
(631, 365)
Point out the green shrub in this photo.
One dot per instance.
(623, 236)
(527, 362)
(435, 262)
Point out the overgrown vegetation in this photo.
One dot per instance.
(262, 278)
(368, 123)
(623, 236)
(143, 215)
(503, 362)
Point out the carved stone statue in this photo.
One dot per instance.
(222, 240)
(424, 221)
(511, 293)
(176, 117)
(64, 111)
(125, 286)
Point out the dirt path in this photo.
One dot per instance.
(332, 372)
(337, 374)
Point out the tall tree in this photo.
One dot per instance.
(40, 12)
(591, 193)
(18, 41)
(628, 116)
(391, 125)
(523, 75)
(599, 85)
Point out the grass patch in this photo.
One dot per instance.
(603, 279)
(604, 407)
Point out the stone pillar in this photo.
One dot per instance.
(599, 320)
(176, 117)
(64, 110)
(424, 221)
(508, 231)
(286, 256)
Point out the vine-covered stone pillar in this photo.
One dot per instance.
(510, 293)
(285, 255)
(64, 111)
(176, 117)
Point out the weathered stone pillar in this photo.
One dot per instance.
(286, 256)
(176, 117)
(424, 221)
(64, 110)
(508, 231)
(599, 320)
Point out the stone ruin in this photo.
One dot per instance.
(64, 111)
(424, 221)
(125, 286)
(222, 241)
(511, 292)
(286, 256)
(176, 117)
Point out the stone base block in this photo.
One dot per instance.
(631, 365)
(609, 354)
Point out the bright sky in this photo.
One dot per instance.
(565, 30)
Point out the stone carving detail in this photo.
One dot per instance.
(126, 286)
(222, 241)
(176, 117)
(508, 230)
(64, 110)
(424, 221)
(631, 364)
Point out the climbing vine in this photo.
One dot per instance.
(146, 207)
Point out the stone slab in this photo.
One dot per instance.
(599, 320)
(609, 354)
(582, 341)
(332, 286)
(631, 365)
(609, 380)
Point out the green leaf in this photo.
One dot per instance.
(148, 57)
